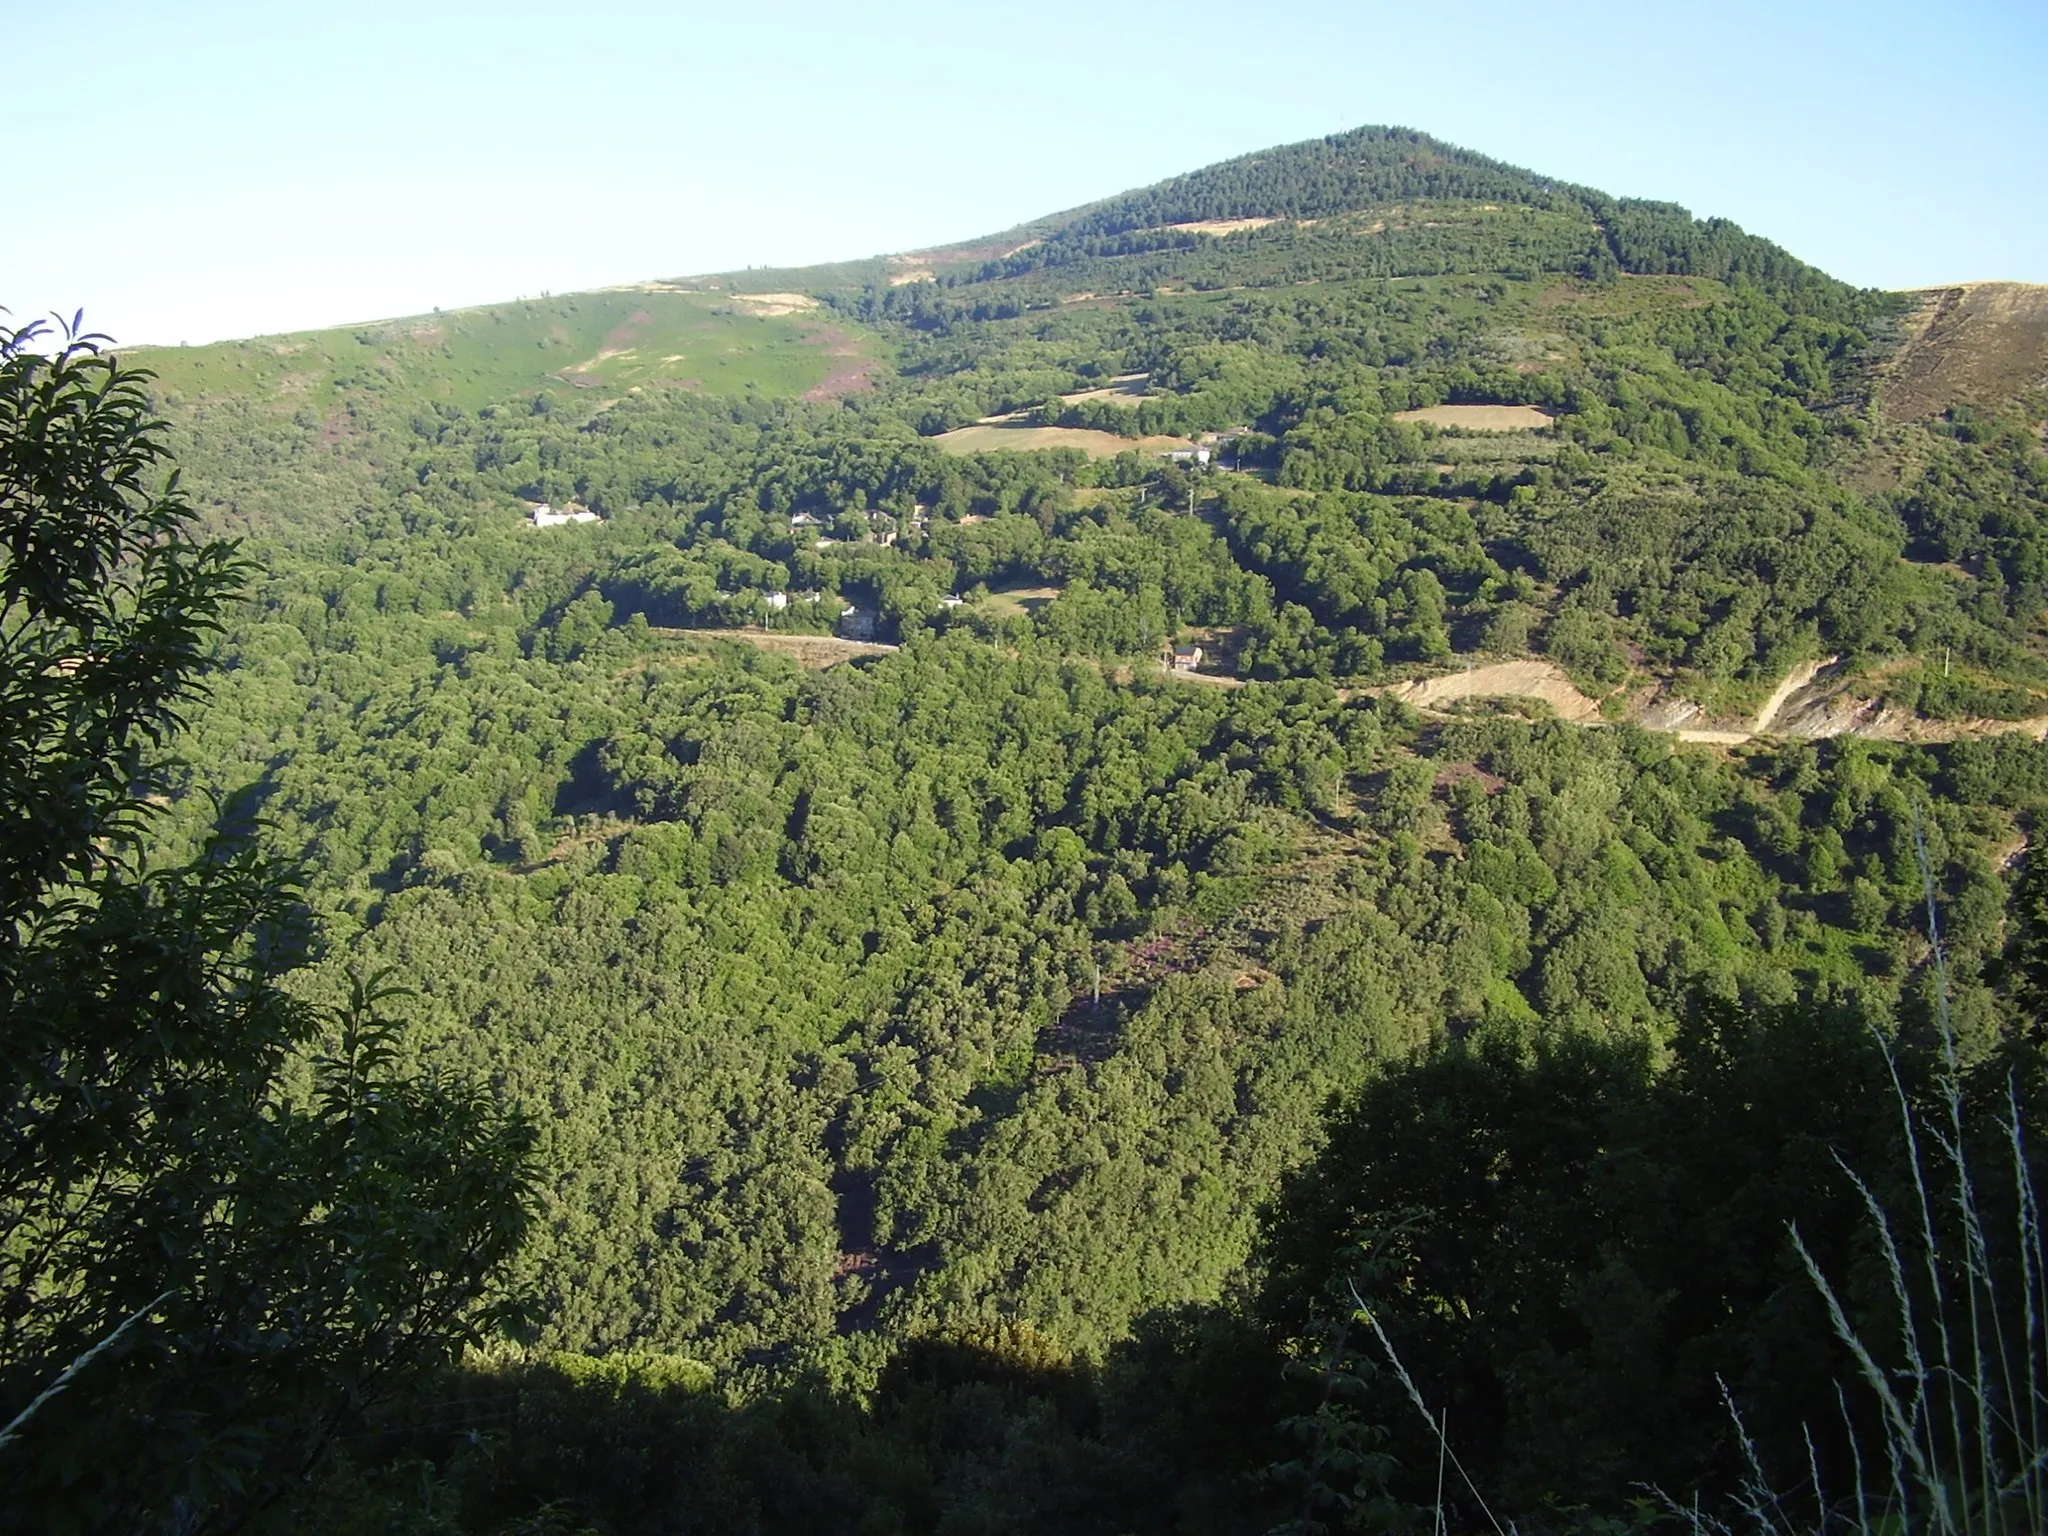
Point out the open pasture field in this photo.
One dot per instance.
(1481, 418)
(1011, 437)
(1017, 602)
(608, 342)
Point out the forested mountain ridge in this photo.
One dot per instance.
(980, 989)
(1378, 168)
(1719, 416)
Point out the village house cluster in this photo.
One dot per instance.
(883, 527)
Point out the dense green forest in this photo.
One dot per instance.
(976, 1078)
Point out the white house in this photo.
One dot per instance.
(545, 516)
(1187, 657)
(777, 601)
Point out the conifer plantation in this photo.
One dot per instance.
(1342, 845)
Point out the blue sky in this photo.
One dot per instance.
(199, 170)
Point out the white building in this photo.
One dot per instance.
(545, 516)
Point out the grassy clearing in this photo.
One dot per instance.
(1481, 418)
(609, 342)
(1003, 436)
(1017, 602)
(813, 653)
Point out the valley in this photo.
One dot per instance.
(983, 1070)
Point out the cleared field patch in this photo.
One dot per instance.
(1482, 418)
(1495, 451)
(812, 652)
(775, 303)
(1017, 602)
(1015, 437)
(1212, 679)
(1977, 344)
(1503, 679)
(1124, 389)
(1221, 227)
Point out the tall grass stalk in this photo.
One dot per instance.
(71, 1372)
(1963, 1413)
(1439, 1427)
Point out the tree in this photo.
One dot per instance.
(1583, 1255)
(226, 1222)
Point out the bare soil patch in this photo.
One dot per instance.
(1503, 679)
(1800, 677)
(1482, 418)
(775, 303)
(1213, 679)
(1713, 738)
(1221, 226)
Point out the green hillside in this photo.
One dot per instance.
(610, 342)
(971, 1059)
